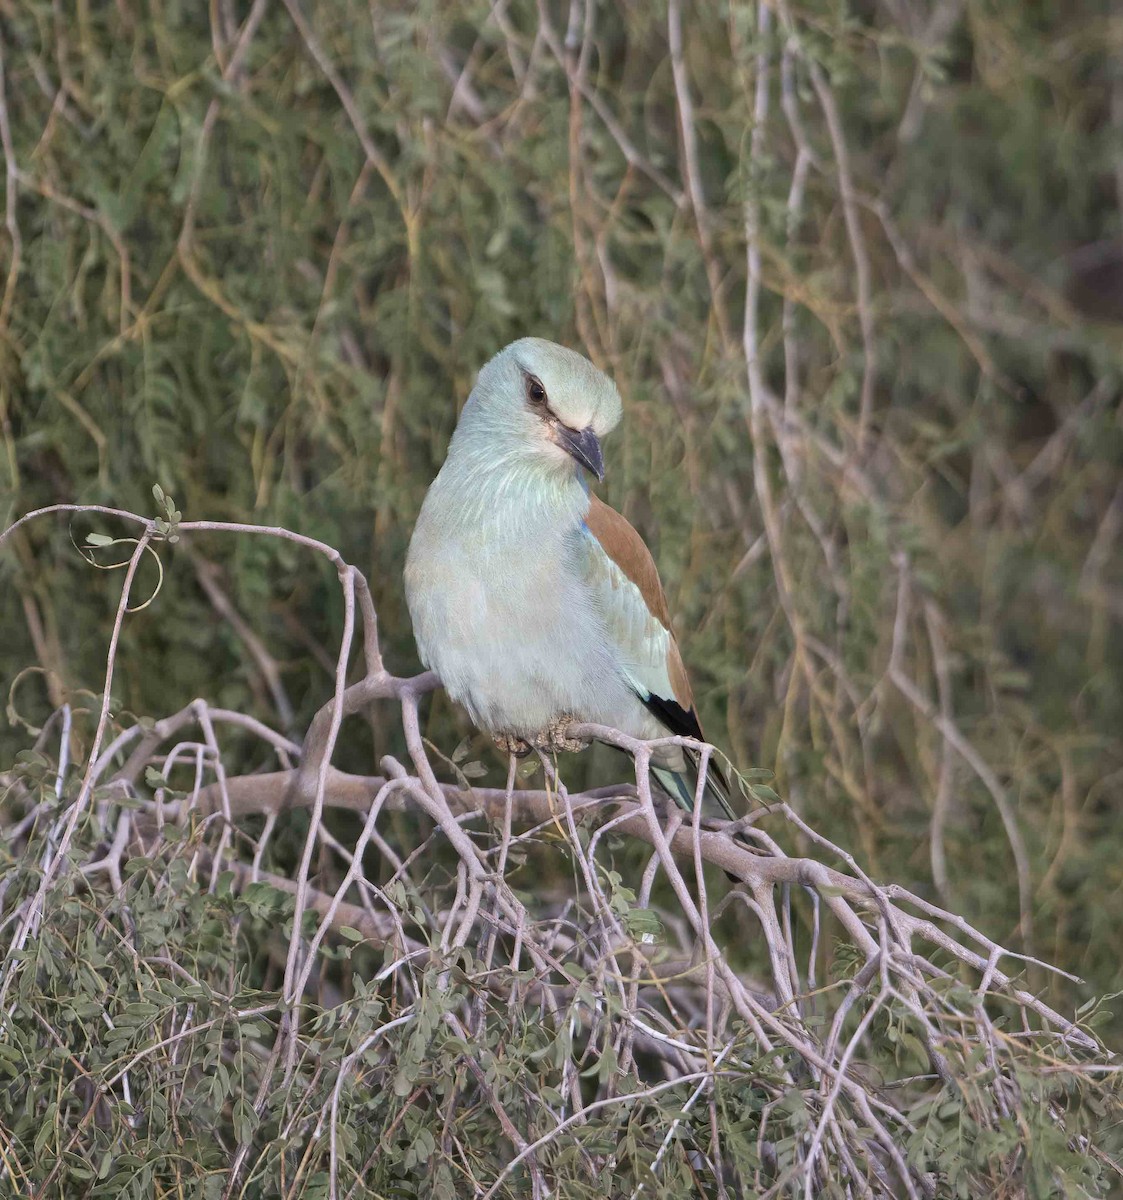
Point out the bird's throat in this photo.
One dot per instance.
(510, 498)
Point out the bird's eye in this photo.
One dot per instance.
(535, 391)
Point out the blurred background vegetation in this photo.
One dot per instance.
(256, 253)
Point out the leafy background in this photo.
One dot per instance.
(264, 272)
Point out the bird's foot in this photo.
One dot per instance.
(511, 743)
(556, 736)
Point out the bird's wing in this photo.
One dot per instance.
(622, 573)
(623, 576)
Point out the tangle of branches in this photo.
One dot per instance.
(738, 1004)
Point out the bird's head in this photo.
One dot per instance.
(538, 403)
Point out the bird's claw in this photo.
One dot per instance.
(511, 743)
(556, 736)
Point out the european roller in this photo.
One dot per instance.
(537, 604)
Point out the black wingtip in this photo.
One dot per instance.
(682, 722)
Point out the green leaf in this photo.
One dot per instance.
(245, 1119)
(46, 1127)
(461, 751)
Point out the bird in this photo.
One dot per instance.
(537, 605)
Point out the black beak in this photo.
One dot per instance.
(584, 447)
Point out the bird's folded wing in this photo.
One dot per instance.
(622, 575)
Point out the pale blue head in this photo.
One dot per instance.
(540, 405)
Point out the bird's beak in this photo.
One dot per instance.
(584, 447)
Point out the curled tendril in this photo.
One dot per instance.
(13, 714)
(102, 541)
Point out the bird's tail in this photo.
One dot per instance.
(681, 784)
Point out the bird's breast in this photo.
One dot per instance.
(511, 628)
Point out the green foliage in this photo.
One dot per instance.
(141, 1050)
